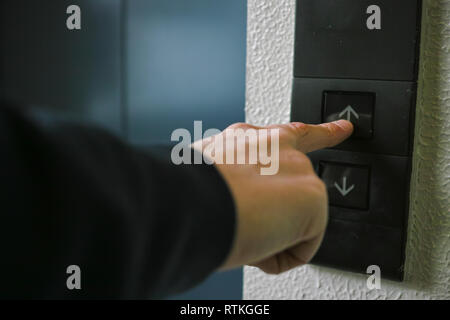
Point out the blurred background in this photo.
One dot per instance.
(140, 68)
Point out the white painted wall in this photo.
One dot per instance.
(269, 77)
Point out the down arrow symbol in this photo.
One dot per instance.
(343, 190)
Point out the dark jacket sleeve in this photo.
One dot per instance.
(136, 225)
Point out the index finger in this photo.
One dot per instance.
(309, 138)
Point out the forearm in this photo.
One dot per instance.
(137, 225)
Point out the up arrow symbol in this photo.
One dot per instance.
(343, 190)
(349, 111)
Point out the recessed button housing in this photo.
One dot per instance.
(348, 186)
(392, 119)
(335, 41)
(356, 107)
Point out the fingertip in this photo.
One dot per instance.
(345, 125)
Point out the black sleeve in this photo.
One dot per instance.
(135, 224)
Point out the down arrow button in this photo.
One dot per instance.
(347, 184)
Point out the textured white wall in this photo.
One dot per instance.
(269, 76)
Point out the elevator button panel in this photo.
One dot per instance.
(358, 60)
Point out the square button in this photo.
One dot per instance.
(357, 39)
(348, 185)
(356, 107)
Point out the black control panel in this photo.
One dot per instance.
(358, 60)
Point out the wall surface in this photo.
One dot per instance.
(427, 268)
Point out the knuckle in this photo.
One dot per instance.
(333, 129)
(308, 164)
(322, 220)
(318, 188)
(273, 126)
(300, 161)
(300, 129)
(296, 132)
(320, 184)
(319, 201)
(298, 126)
(272, 272)
(238, 125)
(323, 203)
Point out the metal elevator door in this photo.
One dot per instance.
(139, 68)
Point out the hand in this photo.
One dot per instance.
(281, 218)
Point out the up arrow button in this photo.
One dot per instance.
(349, 111)
(357, 107)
